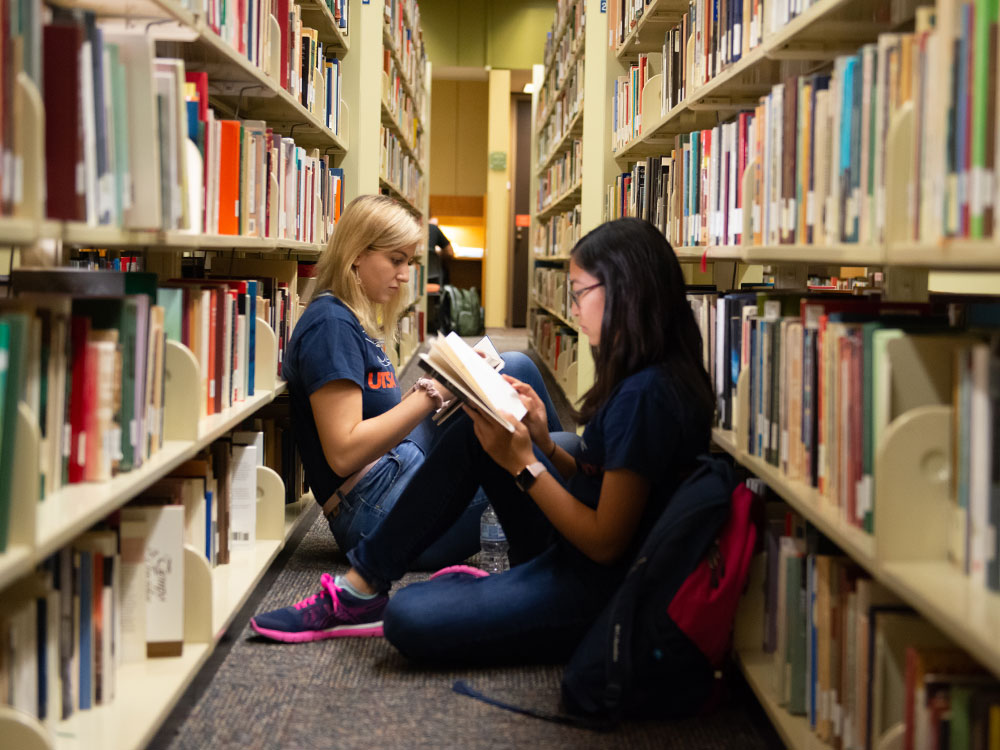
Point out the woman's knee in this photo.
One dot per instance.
(519, 365)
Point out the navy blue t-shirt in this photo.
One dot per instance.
(328, 344)
(648, 426)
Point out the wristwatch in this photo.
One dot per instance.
(528, 475)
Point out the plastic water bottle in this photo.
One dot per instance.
(492, 543)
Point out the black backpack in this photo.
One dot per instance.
(658, 647)
(460, 311)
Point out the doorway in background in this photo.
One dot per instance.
(517, 300)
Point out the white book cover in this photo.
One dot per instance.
(164, 554)
(135, 50)
(243, 497)
(249, 437)
(132, 600)
(89, 133)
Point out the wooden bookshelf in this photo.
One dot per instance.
(147, 691)
(647, 36)
(573, 130)
(821, 32)
(560, 203)
(317, 15)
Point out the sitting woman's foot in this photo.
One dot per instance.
(332, 612)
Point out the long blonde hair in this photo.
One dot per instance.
(370, 223)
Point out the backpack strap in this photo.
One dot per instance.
(583, 722)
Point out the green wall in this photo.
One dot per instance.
(477, 33)
(459, 124)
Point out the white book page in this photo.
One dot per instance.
(498, 394)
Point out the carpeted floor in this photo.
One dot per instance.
(359, 693)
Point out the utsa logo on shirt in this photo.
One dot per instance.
(379, 379)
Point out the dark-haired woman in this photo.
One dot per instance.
(573, 524)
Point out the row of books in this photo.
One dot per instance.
(568, 21)
(551, 288)
(561, 176)
(559, 234)
(829, 373)
(401, 105)
(142, 149)
(86, 355)
(245, 26)
(556, 344)
(567, 104)
(857, 662)
(400, 168)
(402, 25)
(116, 594)
(626, 102)
(821, 143)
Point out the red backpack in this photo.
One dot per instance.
(659, 644)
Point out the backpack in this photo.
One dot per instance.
(460, 311)
(658, 646)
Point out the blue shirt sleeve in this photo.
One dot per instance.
(331, 349)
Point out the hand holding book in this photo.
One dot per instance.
(470, 377)
(511, 449)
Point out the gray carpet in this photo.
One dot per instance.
(360, 693)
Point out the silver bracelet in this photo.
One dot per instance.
(426, 384)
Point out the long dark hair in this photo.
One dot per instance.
(647, 318)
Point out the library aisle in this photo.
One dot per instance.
(359, 693)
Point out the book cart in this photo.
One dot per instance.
(913, 496)
(382, 146)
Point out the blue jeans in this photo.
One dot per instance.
(371, 499)
(537, 611)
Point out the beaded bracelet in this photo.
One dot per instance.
(426, 384)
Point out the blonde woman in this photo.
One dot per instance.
(360, 439)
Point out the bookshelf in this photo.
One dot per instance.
(378, 137)
(907, 552)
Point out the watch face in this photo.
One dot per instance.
(525, 479)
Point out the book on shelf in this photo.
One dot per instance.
(471, 378)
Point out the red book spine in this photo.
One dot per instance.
(79, 328)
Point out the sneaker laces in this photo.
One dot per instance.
(329, 589)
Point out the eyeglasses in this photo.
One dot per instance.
(576, 294)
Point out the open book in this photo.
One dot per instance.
(472, 378)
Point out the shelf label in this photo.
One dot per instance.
(604, 6)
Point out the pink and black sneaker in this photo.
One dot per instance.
(329, 613)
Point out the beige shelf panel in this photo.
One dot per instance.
(843, 254)
(828, 28)
(316, 15)
(554, 258)
(562, 202)
(947, 254)
(85, 235)
(574, 130)
(647, 36)
(758, 669)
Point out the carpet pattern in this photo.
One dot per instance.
(347, 694)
